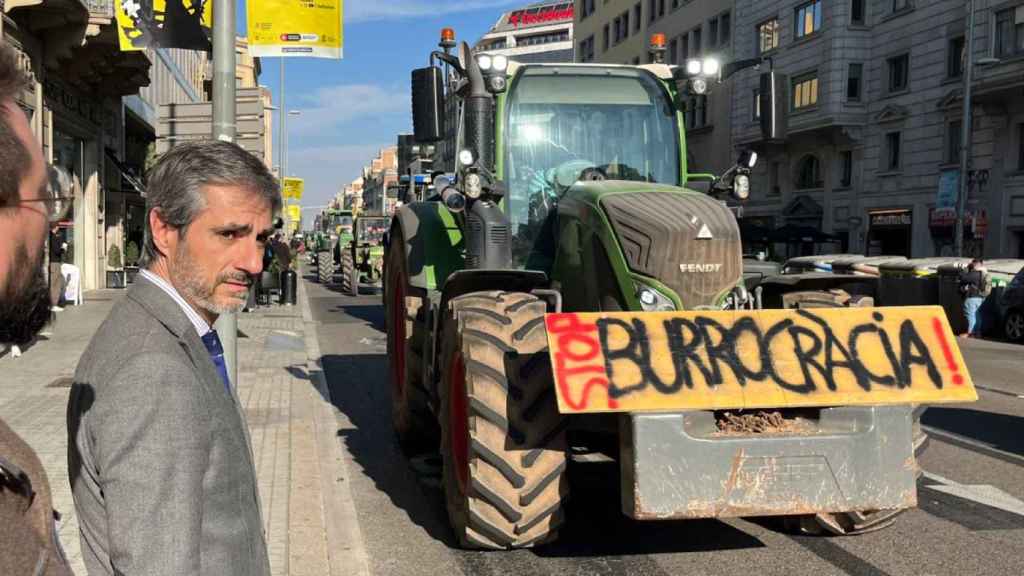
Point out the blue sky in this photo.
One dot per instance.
(353, 107)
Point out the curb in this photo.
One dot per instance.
(346, 552)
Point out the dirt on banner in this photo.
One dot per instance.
(760, 422)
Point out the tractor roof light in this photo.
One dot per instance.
(466, 157)
(710, 67)
(484, 61)
(447, 34)
(499, 63)
(657, 40)
(693, 67)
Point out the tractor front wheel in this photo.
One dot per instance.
(324, 267)
(502, 438)
(349, 274)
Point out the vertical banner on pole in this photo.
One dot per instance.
(295, 28)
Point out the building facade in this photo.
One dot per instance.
(536, 33)
(872, 111)
(619, 32)
(380, 183)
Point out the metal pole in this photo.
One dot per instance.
(965, 136)
(224, 129)
(281, 141)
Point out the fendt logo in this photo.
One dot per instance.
(700, 268)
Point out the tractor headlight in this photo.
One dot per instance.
(497, 84)
(710, 67)
(466, 157)
(499, 63)
(699, 86)
(484, 61)
(693, 67)
(741, 186)
(474, 185)
(653, 301)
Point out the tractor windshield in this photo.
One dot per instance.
(371, 230)
(564, 123)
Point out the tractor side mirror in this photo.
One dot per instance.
(427, 104)
(771, 104)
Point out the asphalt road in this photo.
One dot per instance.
(970, 518)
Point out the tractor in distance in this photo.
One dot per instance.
(565, 193)
(362, 258)
(332, 228)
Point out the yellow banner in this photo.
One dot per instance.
(164, 24)
(647, 361)
(292, 188)
(296, 28)
(294, 212)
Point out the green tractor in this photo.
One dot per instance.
(362, 258)
(333, 228)
(566, 193)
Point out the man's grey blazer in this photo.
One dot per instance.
(159, 456)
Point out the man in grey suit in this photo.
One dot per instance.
(159, 456)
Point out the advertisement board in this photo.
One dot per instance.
(296, 28)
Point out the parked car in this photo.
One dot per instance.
(1011, 309)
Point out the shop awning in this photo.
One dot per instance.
(127, 174)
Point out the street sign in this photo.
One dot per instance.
(292, 188)
(294, 212)
(740, 359)
(139, 28)
(296, 28)
(949, 188)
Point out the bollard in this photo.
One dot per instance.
(289, 287)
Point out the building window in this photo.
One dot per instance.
(617, 26)
(808, 19)
(652, 10)
(586, 8)
(625, 24)
(636, 61)
(899, 72)
(892, 151)
(637, 10)
(697, 112)
(808, 173)
(768, 36)
(673, 51)
(695, 43)
(586, 49)
(854, 82)
(805, 91)
(712, 32)
(1010, 32)
(953, 131)
(846, 168)
(1020, 147)
(756, 105)
(857, 12)
(661, 8)
(955, 57)
(1020, 151)
(898, 5)
(725, 28)
(605, 38)
(684, 47)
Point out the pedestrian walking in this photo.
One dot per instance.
(57, 249)
(159, 456)
(974, 287)
(28, 537)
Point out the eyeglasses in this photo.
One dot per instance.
(57, 207)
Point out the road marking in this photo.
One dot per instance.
(998, 391)
(984, 494)
(973, 445)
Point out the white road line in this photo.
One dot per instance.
(981, 493)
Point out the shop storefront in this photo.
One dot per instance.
(942, 225)
(890, 232)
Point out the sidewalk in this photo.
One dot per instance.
(300, 470)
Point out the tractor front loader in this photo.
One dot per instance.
(563, 293)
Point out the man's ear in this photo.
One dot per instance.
(165, 236)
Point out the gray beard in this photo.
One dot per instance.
(189, 278)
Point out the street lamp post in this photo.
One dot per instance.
(290, 113)
(965, 135)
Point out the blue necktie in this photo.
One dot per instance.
(213, 346)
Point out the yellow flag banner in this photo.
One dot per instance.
(718, 360)
(164, 24)
(292, 188)
(296, 28)
(294, 212)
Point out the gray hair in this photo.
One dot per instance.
(176, 184)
